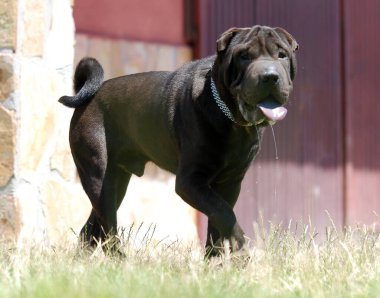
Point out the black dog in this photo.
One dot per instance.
(202, 122)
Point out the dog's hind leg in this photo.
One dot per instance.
(103, 180)
(102, 222)
(91, 232)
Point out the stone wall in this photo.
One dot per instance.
(8, 33)
(41, 199)
(37, 175)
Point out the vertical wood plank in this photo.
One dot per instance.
(362, 44)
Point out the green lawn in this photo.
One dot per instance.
(278, 264)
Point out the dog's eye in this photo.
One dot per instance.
(245, 56)
(282, 55)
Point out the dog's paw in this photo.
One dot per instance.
(237, 239)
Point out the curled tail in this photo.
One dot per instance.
(87, 80)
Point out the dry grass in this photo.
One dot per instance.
(279, 263)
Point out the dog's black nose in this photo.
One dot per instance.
(269, 77)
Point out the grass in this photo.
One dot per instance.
(281, 262)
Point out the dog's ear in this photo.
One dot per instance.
(293, 45)
(285, 35)
(225, 39)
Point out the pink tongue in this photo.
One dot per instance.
(273, 111)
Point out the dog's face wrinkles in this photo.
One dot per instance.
(258, 66)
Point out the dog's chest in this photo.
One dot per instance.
(240, 147)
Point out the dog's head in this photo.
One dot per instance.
(257, 66)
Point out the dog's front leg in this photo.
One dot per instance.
(194, 189)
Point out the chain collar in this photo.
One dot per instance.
(222, 106)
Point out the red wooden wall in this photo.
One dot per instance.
(148, 20)
(362, 88)
(328, 142)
